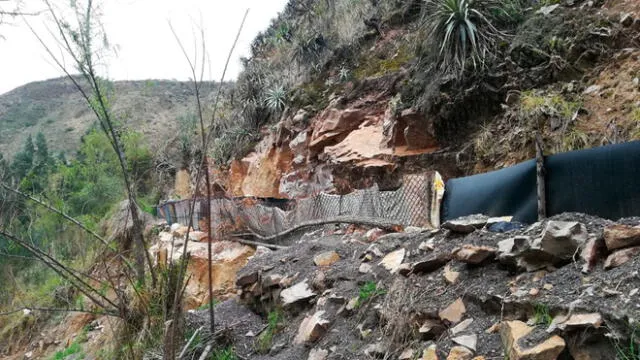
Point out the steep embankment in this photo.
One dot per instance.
(338, 110)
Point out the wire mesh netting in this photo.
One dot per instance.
(415, 203)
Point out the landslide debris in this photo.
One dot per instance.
(434, 303)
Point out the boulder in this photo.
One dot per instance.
(296, 293)
(326, 258)
(454, 312)
(513, 332)
(620, 257)
(311, 328)
(393, 260)
(621, 236)
(466, 224)
(265, 171)
(562, 238)
(472, 254)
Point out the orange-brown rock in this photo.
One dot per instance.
(472, 254)
(263, 174)
(620, 236)
(620, 257)
(454, 312)
(460, 353)
(237, 173)
(312, 328)
(228, 258)
(326, 258)
(512, 332)
(361, 146)
(411, 129)
(333, 125)
(182, 187)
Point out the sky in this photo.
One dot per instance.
(145, 46)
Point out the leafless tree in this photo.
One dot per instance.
(197, 74)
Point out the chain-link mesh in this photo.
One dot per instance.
(415, 203)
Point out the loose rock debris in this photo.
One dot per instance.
(551, 290)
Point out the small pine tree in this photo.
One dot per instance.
(23, 161)
(42, 158)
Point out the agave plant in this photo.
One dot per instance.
(461, 31)
(344, 74)
(275, 98)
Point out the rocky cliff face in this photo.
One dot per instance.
(378, 110)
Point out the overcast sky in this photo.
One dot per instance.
(146, 49)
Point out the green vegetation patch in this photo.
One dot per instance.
(372, 66)
(275, 319)
(368, 291)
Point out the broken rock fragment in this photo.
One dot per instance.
(430, 353)
(326, 258)
(450, 275)
(311, 328)
(431, 263)
(296, 293)
(454, 312)
(318, 354)
(466, 224)
(577, 321)
(513, 334)
(591, 253)
(562, 238)
(472, 254)
(621, 256)
(461, 327)
(393, 260)
(621, 236)
(460, 353)
(468, 341)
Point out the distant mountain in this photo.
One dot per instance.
(56, 108)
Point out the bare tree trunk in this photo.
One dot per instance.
(173, 327)
(540, 179)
